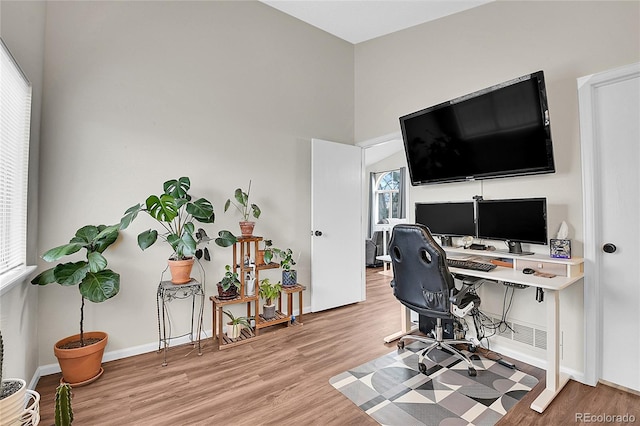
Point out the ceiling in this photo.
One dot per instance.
(360, 20)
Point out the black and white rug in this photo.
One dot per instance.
(392, 391)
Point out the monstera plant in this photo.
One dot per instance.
(95, 283)
(176, 211)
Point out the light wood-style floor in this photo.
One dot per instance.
(282, 378)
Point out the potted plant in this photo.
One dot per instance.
(229, 285)
(235, 325)
(12, 394)
(264, 256)
(80, 355)
(269, 292)
(289, 276)
(176, 210)
(245, 209)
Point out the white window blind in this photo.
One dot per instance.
(15, 122)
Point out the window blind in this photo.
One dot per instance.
(15, 122)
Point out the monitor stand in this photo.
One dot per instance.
(445, 241)
(515, 248)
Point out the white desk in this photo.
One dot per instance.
(568, 271)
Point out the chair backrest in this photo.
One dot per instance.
(422, 280)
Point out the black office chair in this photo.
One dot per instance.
(422, 282)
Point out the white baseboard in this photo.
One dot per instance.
(535, 361)
(45, 370)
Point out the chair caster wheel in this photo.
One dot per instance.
(472, 372)
(400, 344)
(422, 367)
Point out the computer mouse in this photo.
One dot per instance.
(528, 271)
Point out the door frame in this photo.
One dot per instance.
(591, 198)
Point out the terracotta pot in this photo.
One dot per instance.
(260, 257)
(12, 406)
(246, 228)
(81, 366)
(181, 270)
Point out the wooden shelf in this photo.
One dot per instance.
(241, 250)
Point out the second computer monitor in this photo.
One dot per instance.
(515, 221)
(447, 219)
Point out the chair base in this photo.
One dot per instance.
(440, 343)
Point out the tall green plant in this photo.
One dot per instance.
(269, 291)
(95, 282)
(176, 210)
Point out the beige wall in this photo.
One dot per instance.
(22, 29)
(137, 93)
(431, 63)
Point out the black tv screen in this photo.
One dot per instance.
(503, 130)
(447, 219)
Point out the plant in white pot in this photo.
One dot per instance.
(269, 292)
(245, 208)
(80, 355)
(12, 394)
(176, 211)
(236, 324)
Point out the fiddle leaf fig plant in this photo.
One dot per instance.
(176, 211)
(95, 282)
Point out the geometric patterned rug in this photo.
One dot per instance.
(392, 391)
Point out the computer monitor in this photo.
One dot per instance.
(515, 221)
(447, 219)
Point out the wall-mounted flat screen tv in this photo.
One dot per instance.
(500, 131)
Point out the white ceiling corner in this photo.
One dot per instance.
(357, 21)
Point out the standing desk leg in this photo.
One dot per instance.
(555, 379)
(406, 326)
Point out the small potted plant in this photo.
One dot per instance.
(265, 255)
(289, 276)
(176, 210)
(229, 285)
(235, 325)
(80, 355)
(269, 292)
(246, 210)
(12, 394)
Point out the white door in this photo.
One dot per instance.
(610, 131)
(337, 242)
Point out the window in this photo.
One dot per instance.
(15, 122)
(387, 196)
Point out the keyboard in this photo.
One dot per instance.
(470, 264)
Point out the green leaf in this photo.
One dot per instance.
(147, 238)
(163, 209)
(71, 273)
(226, 205)
(201, 210)
(57, 252)
(189, 228)
(189, 245)
(177, 188)
(45, 277)
(86, 234)
(241, 197)
(97, 262)
(100, 286)
(129, 216)
(106, 237)
(226, 239)
(256, 211)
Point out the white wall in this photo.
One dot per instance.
(431, 63)
(22, 29)
(137, 93)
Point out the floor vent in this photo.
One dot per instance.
(523, 333)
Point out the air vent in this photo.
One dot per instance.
(522, 333)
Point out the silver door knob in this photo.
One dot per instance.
(609, 248)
